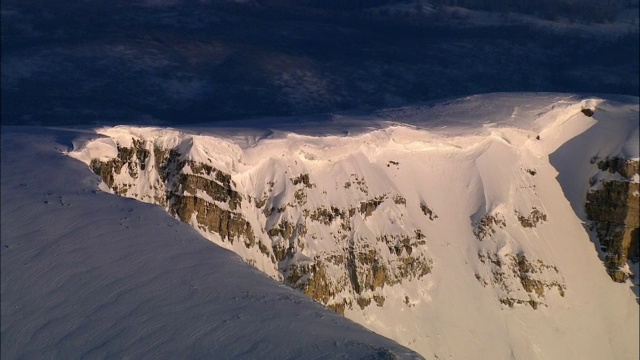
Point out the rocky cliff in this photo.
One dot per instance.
(276, 229)
(342, 254)
(446, 236)
(613, 208)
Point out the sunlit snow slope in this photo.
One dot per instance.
(85, 274)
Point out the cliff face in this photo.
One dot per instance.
(340, 255)
(277, 228)
(446, 238)
(273, 232)
(613, 208)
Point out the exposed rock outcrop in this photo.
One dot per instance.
(535, 216)
(280, 226)
(519, 280)
(209, 216)
(350, 276)
(203, 191)
(487, 225)
(368, 207)
(613, 207)
(427, 211)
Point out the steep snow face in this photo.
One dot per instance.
(443, 227)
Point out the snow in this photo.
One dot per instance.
(87, 274)
(465, 158)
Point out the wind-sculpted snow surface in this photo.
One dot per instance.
(443, 226)
(90, 275)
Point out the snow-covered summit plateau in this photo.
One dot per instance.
(487, 227)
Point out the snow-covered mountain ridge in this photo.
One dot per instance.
(85, 274)
(436, 226)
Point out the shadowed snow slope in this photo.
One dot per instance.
(87, 274)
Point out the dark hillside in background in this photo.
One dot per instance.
(111, 62)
